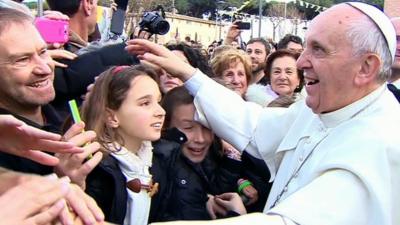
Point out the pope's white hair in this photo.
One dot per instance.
(365, 36)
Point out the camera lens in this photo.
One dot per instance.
(162, 27)
(154, 23)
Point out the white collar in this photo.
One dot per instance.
(333, 119)
(135, 165)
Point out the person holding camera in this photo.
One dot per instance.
(257, 48)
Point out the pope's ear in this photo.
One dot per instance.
(111, 119)
(369, 69)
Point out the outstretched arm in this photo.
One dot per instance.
(160, 56)
(20, 139)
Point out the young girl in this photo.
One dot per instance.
(123, 109)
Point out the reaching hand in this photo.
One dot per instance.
(20, 139)
(81, 206)
(33, 199)
(231, 201)
(61, 54)
(250, 193)
(230, 151)
(160, 56)
(55, 15)
(38, 200)
(233, 34)
(213, 208)
(78, 165)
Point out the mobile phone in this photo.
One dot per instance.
(117, 21)
(52, 31)
(76, 117)
(243, 25)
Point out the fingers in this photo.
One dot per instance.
(231, 201)
(226, 196)
(89, 150)
(219, 210)
(84, 206)
(48, 215)
(58, 64)
(57, 146)
(250, 192)
(223, 203)
(142, 45)
(153, 59)
(90, 164)
(139, 33)
(56, 15)
(77, 136)
(75, 166)
(10, 179)
(61, 54)
(94, 208)
(75, 129)
(162, 57)
(38, 133)
(38, 193)
(65, 216)
(54, 45)
(209, 206)
(211, 212)
(48, 192)
(82, 138)
(41, 157)
(9, 121)
(114, 7)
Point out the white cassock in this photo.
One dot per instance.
(337, 168)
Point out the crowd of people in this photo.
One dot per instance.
(261, 133)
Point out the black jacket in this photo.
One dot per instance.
(256, 171)
(189, 183)
(395, 91)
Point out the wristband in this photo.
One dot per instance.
(244, 185)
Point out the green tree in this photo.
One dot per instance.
(235, 3)
(198, 7)
(182, 6)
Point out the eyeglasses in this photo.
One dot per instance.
(26, 60)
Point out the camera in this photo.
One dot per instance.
(243, 25)
(154, 23)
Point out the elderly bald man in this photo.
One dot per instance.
(335, 157)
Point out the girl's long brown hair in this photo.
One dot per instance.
(109, 92)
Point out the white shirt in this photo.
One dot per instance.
(136, 166)
(351, 177)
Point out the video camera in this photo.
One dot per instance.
(154, 23)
